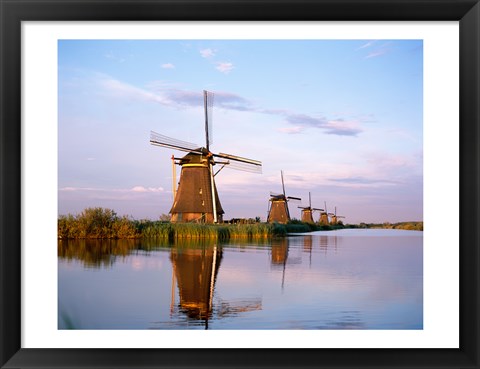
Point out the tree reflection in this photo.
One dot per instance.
(95, 253)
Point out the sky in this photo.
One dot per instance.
(343, 119)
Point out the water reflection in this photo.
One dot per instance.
(299, 282)
(279, 251)
(195, 271)
(307, 244)
(95, 253)
(326, 242)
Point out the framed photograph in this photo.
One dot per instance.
(368, 108)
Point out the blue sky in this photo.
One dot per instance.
(341, 118)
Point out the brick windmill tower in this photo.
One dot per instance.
(307, 211)
(324, 216)
(278, 209)
(334, 218)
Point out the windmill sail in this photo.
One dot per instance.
(172, 143)
(239, 159)
(208, 98)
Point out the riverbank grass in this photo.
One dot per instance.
(99, 223)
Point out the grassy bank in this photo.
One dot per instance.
(408, 226)
(174, 231)
(99, 223)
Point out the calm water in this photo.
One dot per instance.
(349, 279)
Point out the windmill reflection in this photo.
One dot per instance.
(328, 241)
(279, 251)
(194, 271)
(280, 257)
(323, 240)
(307, 247)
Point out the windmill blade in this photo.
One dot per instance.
(161, 140)
(274, 194)
(309, 199)
(283, 184)
(317, 209)
(244, 167)
(237, 158)
(294, 199)
(340, 216)
(208, 98)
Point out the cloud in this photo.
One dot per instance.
(280, 112)
(146, 189)
(364, 181)
(375, 50)
(207, 53)
(225, 100)
(120, 89)
(380, 169)
(380, 50)
(232, 101)
(224, 67)
(393, 162)
(167, 95)
(135, 189)
(303, 119)
(182, 98)
(368, 44)
(72, 189)
(376, 53)
(168, 66)
(291, 130)
(111, 56)
(343, 128)
(339, 127)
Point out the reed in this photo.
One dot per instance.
(99, 223)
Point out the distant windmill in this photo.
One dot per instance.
(196, 199)
(324, 216)
(278, 209)
(307, 212)
(335, 217)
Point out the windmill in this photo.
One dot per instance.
(307, 211)
(324, 216)
(278, 209)
(335, 217)
(196, 199)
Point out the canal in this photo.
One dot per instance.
(347, 279)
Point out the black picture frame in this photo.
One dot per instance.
(13, 12)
